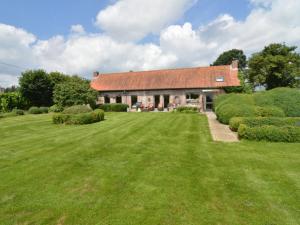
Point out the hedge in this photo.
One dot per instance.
(76, 109)
(235, 122)
(79, 118)
(187, 109)
(287, 99)
(56, 108)
(114, 107)
(37, 110)
(270, 133)
(15, 112)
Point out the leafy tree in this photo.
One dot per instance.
(12, 100)
(57, 77)
(227, 57)
(75, 91)
(277, 65)
(36, 87)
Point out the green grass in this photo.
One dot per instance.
(142, 168)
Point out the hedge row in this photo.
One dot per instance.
(14, 112)
(187, 109)
(38, 110)
(270, 133)
(79, 118)
(277, 103)
(76, 109)
(227, 111)
(114, 107)
(235, 122)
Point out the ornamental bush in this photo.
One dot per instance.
(79, 118)
(187, 109)
(227, 111)
(270, 133)
(114, 107)
(56, 108)
(235, 122)
(76, 109)
(37, 110)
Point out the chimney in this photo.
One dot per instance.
(235, 65)
(96, 74)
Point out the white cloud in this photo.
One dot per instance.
(77, 29)
(179, 45)
(134, 19)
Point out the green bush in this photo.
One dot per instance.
(270, 133)
(287, 99)
(235, 99)
(76, 109)
(56, 108)
(14, 112)
(187, 109)
(227, 111)
(235, 122)
(269, 111)
(35, 110)
(18, 112)
(44, 109)
(79, 118)
(114, 107)
(9, 101)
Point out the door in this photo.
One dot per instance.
(166, 101)
(156, 101)
(209, 102)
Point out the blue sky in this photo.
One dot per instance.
(46, 18)
(82, 36)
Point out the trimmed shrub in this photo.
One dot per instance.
(37, 110)
(76, 109)
(79, 118)
(44, 109)
(270, 133)
(114, 107)
(269, 111)
(34, 110)
(287, 99)
(60, 118)
(235, 122)
(18, 112)
(226, 112)
(56, 108)
(187, 109)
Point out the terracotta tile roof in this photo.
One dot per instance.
(199, 77)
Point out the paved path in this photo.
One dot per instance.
(220, 132)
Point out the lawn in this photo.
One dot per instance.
(142, 168)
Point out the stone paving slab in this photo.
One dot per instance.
(220, 132)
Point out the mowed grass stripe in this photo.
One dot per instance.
(142, 168)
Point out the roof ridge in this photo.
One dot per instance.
(185, 68)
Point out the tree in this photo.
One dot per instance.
(57, 78)
(75, 91)
(36, 87)
(277, 65)
(227, 57)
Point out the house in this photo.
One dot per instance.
(166, 88)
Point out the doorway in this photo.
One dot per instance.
(156, 101)
(166, 101)
(208, 102)
(118, 99)
(133, 100)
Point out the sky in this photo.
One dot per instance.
(82, 36)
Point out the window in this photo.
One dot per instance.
(119, 99)
(220, 79)
(106, 99)
(192, 98)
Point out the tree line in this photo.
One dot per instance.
(277, 65)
